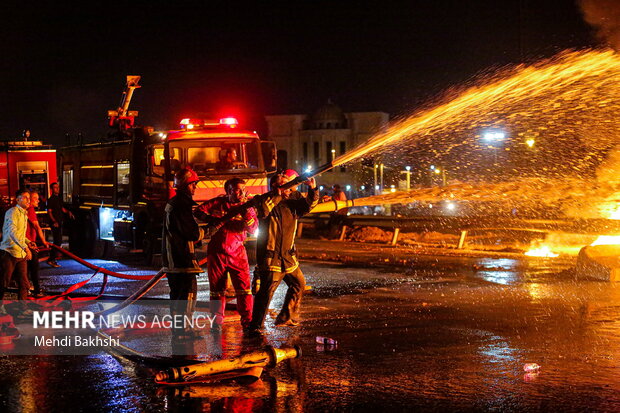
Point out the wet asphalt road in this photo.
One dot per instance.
(448, 333)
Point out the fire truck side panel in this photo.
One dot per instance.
(4, 177)
(31, 169)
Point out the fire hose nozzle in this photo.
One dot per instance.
(280, 354)
(269, 356)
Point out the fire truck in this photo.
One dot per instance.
(27, 164)
(118, 189)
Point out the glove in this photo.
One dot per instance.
(255, 281)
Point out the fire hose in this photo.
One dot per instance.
(152, 280)
(214, 225)
(246, 365)
(249, 366)
(101, 269)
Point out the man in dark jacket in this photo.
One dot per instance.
(275, 250)
(180, 232)
(55, 212)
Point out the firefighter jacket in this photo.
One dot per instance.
(229, 239)
(179, 234)
(275, 246)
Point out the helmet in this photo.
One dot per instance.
(184, 177)
(287, 175)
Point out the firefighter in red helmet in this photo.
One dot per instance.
(180, 232)
(275, 250)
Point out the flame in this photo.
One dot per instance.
(609, 239)
(542, 251)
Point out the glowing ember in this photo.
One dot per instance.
(543, 251)
(558, 124)
(570, 96)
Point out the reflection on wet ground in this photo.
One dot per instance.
(444, 333)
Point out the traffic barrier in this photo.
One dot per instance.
(464, 226)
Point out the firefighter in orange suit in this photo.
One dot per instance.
(275, 252)
(226, 253)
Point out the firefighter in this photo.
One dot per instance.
(275, 250)
(180, 232)
(226, 253)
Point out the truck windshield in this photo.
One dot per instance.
(208, 157)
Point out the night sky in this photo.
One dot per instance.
(63, 67)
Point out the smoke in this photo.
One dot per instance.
(604, 15)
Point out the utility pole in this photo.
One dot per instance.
(408, 177)
(374, 188)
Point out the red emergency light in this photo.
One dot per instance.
(188, 123)
(230, 122)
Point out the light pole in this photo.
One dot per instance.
(381, 175)
(375, 171)
(408, 174)
(494, 137)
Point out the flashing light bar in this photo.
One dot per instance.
(232, 122)
(188, 123)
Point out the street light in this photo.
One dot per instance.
(443, 175)
(530, 142)
(375, 172)
(494, 137)
(407, 173)
(381, 175)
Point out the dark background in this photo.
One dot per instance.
(64, 66)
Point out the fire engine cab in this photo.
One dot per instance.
(118, 189)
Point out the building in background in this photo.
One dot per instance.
(305, 142)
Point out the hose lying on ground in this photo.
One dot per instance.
(152, 280)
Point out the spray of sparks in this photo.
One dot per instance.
(553, 128)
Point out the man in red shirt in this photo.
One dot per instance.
(226, 253)
(34, 233)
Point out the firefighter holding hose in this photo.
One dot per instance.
(180, 232)
(226, 253)
(276, 254)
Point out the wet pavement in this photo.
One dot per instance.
(434, 334)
